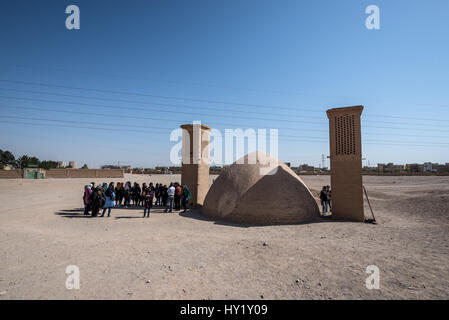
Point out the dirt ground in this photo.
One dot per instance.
(174, 256)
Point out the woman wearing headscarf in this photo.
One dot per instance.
(186, 195)
(118, 197)
(164, 195)
(127, 193)
(142, 195)
(86, 198)
(148, 201)
(109, 199)
(157, 193)
(136, 193)
(97, 201)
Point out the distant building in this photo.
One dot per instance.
(62, 164)
(110, 166)
(435, 167)
(390, 167)
(414, 167)
(72, 164)
(306, 168)
(427, 167)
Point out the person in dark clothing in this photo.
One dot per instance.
(157, 193)
(86, 198)
(127, 194)
(164, 195)
(148, 201)
(97, 201)
(136, 192)
(178, 194)
(323, 198)
(119, 194)
(329, 197)
(142, 195)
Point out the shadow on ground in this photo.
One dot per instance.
(79, 212)
(195, 214)
(191, 214)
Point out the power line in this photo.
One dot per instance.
(204, 85)
(191, 113)
(150, 103)
(228, 103)
(187, 99)
(115, 130)
(216, 123)
(150, 95)
(135, 117)
(318, 139)
(182, 106)
(114, 124)
(148, 109)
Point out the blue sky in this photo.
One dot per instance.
(294, 59)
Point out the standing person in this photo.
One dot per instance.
(121, 193)
(178, 194)
(109, 199)
(142, 195)
(127, 194)
(329, 197)
(136, 191)
(96, 201)
(87, 192)
(323, 198)
(133, 192)
(164, 195)
(158, 194)
(118, 201)
(170, 197)
(148, 201)
(186, 195)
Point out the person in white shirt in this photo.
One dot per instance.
(171, 197)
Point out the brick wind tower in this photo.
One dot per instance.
(346, 163)
(195, 161)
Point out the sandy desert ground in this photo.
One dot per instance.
(173, 256)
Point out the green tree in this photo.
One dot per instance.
(48, 164)
(85, 166)
(24, 161)
(6, 158)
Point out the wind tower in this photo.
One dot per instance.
(346, 163)
(195, 161)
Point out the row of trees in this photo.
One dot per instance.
(8, 159)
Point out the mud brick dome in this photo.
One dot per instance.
(243, 194)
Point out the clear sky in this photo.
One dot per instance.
(135, 70)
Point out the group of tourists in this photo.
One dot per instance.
(326, 199)
(124, 195)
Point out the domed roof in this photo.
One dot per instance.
(259, 189)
